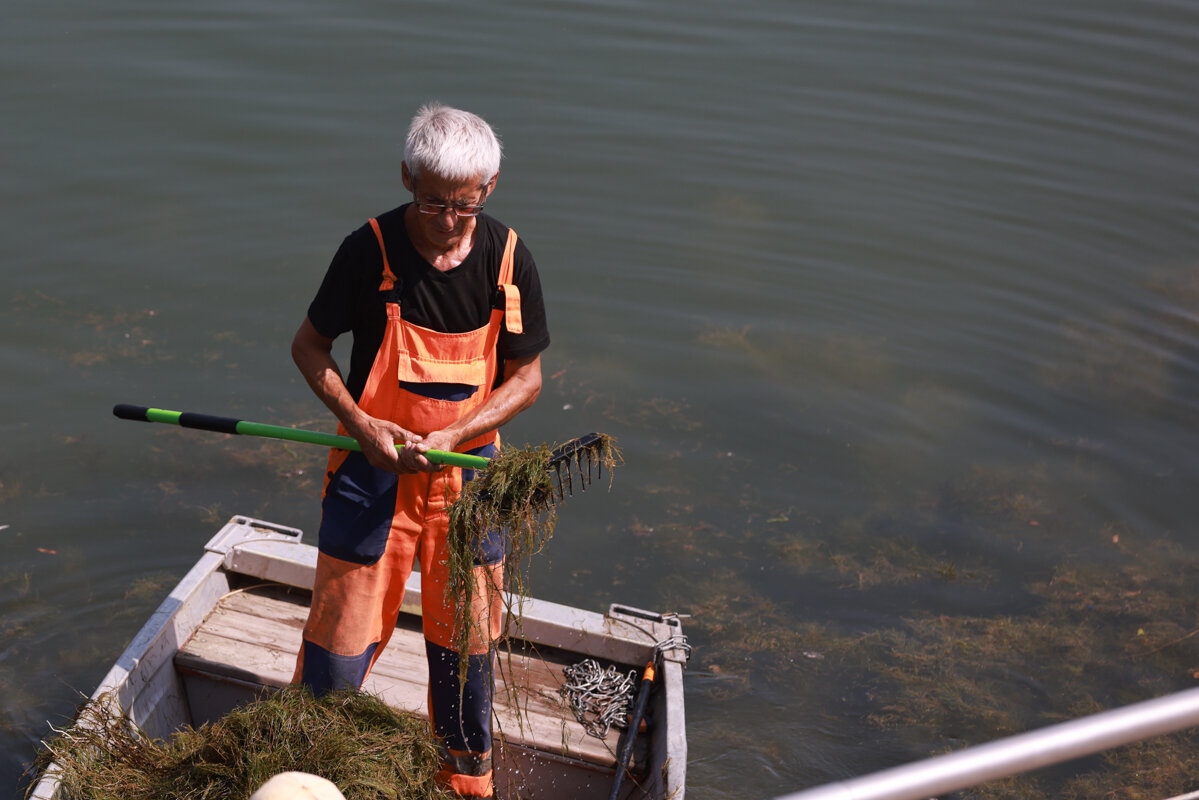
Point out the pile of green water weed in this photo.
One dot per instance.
(371, 751)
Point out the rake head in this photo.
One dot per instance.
(580, 459)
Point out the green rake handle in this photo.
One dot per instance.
(206, 422)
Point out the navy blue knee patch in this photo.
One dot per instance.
(464, 725)
(357, 511)
(324, 671)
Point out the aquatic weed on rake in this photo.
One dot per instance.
(518, 493)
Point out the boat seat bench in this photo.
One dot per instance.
(251, 638)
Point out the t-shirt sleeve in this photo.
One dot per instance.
(536, 336)
(333, 310)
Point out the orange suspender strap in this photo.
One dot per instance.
(512, 319)
(389, 278)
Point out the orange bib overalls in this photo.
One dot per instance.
(374, 524)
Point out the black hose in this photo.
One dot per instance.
(624, 749)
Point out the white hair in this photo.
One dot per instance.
(453, 144)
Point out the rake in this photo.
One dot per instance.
(581, 456)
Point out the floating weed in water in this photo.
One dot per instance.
(656, 413)
(1179, 284)
(736, 342)
(262, 475)
(1102, 637)
(1014, 494)
(1144, 608)
(20, 698)
(296, 468)
(16, 583)
(211, 514)
(726, 337)
(1149, 770)
(149, 587)
(892, 562)
(743, 638)
(964, 678)
(1118, 357)
(851, 360)
(119, 336)
(16, 488)
(369, 750)
(867, 555)
(957, 659)
(630, 409)
(802, 554)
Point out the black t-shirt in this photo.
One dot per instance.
(455, 301)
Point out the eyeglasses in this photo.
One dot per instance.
(437, 208)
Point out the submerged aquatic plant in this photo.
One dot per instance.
(368, 749)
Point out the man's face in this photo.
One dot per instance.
(445, 228)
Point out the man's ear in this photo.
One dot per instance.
(491, 185)
(407, 176)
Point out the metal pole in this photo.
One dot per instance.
(1017, 754)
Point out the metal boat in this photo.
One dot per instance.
(230, 630)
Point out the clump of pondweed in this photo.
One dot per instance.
(518, 494)
(368, 749)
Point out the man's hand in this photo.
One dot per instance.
(437, 440)
(522, 384)
(379, 437)
(312, 353)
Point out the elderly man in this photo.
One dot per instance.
(445, 308)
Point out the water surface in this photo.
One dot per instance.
(891, 307)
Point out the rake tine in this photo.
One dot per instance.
(596, 448)
(572, 451)
(564, 451)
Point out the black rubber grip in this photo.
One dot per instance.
(126, 411)
(207, 422)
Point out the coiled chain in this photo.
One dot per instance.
(598, 697)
